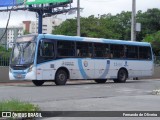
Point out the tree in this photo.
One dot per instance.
(150, 22)
(113, 26)
(66, 28)
(25, 32)
(154, 39)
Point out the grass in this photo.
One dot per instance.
(17, 105)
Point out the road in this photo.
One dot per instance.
(134, 95)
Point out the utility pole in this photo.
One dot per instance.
(133, 27)
(78, 18)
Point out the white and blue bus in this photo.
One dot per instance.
(58, 58)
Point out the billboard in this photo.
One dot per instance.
(29, 2)
(5, 3)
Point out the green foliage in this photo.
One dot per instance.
(25, 32)
(4, 56)
(149, 22)
(4, 52)
(115, 26)
(17, 105)
(154, 39)
(106, 26)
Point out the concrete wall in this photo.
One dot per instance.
(4, 76)
(156, 74)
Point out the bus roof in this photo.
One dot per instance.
(88, 39)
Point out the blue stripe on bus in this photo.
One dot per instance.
(82, 71)
(106, 69)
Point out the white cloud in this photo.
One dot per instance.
(91, 7)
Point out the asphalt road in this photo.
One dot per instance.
(134, 95)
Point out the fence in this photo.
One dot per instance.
(4, 61)
(157, 60)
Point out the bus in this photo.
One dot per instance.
(58, 58)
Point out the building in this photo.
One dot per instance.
(3, 37)
(10, 35)
(30, 27)
(27, 27)
(48, 25)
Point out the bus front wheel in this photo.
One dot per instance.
(100, 80)
(61, 77)
(38, 82)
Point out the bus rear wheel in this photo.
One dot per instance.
(100, 80)
(38, 82)
(122, 76)
(61, 77)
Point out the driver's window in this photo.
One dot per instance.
(45, 51)
(48, 49)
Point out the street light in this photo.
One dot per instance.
(78, 18)
(133, 27)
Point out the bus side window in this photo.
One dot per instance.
(84, 49)
(145, 53)
(48, 50)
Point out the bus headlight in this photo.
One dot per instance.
(30, 68)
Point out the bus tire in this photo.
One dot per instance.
(100, 80)
(61, 77)
(115, 80)
(122, 76)
(38, 82)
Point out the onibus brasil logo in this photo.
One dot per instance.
(21, 115)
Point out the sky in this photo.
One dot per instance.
(90, 7)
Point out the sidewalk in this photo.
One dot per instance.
(13, 83)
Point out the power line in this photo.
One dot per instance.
(100, 0)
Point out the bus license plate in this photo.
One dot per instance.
(19, 76)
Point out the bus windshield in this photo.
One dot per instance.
(23, 52)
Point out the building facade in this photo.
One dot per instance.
(3, 37)
(27, 27)
(48, 25)
(10, 35)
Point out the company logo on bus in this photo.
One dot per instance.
(85, 63)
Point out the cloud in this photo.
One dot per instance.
(91, 7)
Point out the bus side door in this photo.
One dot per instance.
(45, 57)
